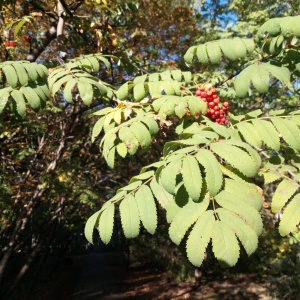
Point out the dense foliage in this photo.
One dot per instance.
(204, 119)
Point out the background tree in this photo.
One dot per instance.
(53, 175)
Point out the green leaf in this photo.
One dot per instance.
(290, 217)
(213, 173)
(57, 85)
(202, 54)
(196, 105)
(128, 137)
(90, 225)
(243, 231)
(86, 92)
(247, 192)
(10, 75)
(97, 128)
(142, 134)
(142, 176)
(31, 97)
(225, 244)
(214, 52)
(168, 176)
(22, 74)
(289, 130)
(139, 92)
(185, 218)
(122, 150)
(20, 102)
(4, 95)
(232, 202)
(284, 191)
(106, 223)
(268, 133)
(132, 186)
(151, 124)
(68, 90)
(189, 55)
(31, 70)
(122, 92)
(199, 238)
(192, 177)
(261, 79)
(147, 208)
(242, 81)
(236, 157)
(161, 195)
(130, 217)
(250, 134)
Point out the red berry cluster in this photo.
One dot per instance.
(216, 111)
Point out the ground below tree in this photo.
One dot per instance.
(105, 276)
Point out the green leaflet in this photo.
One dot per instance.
(97, 128)
(130, 217)
(57, 85)
(250, 134)
(154, 89)
(86, 92)
(199, 238)
(128, 137)
(284, 191)
(192, 177)
(185, 217)
(211, 52)
(245, 192)
(20, 102)
(243, 231)
(289, 131)
(90, 225)
(110, 158)
(106, 223)
(242, 82)
(147, 208)
(151, 124)
(219, 129)
(4, 95)
(214, 52)
(68, 90)
(261, 79)
(180, 109)
(196, 105)
(10, 75)
(268, 133)
(290, 217)
(168, 176)
(288, 26)
(189, 55)
(21, 72)
(32, 72)
(139, 92)
(122, 92)
(161, 195)
(31, 97)
(181, 195)
(131, 186)
(236, 157)
(232, 202)
(142, 176)
(259, 74)
(142, 134)
(225, 244)
(122, 150)
(213, 173)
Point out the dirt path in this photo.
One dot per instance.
(105, 276)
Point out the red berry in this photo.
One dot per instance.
(226, 104)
